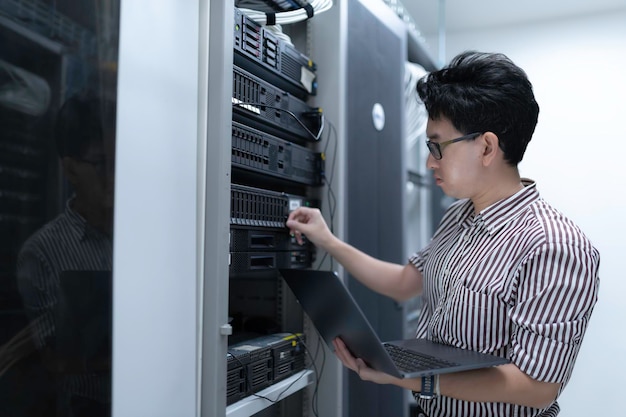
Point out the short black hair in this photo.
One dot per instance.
(79, 125)
(484, 92)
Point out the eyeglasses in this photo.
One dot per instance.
(436, 148)
(99, 165)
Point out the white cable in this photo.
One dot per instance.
(292, 16)
(416, 114)
(277, 30)
(22, 90)
(259, 5)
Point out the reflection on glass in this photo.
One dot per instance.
(58, 78)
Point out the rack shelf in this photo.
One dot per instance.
(253, 404)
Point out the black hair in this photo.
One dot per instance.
(79, 125)
(484, 92)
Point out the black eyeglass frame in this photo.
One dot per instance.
(99, 165)
(436, 148)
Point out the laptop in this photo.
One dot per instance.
(83, 316)
(335, 313)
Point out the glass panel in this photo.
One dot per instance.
(58, 76)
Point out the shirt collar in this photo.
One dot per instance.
(77, 222)
(495, 216)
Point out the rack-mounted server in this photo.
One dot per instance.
(262, 361)
(259, 240)
(259, 104)
(261, 52)
(262, 153)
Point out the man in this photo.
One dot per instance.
(77, 241)
(505, 273)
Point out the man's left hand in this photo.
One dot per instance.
(359, 366)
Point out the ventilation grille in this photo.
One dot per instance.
(290, 67)
(255, 207)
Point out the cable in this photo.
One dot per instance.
(416, 114)
(280, 394)
(316, 137)
(331, 198)
(262, 6)
(271, 5)
(268, 5)
(319, 375)
(332, 202)
(245, 372)
(277, 30)
(292, 16)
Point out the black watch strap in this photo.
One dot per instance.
(428, 387)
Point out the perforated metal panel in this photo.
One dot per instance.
(376, 175)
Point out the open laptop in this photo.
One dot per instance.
(335, 313)
(83, 316)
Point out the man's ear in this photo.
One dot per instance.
(491, 147)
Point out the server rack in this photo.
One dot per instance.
(276, 166)
(331, 71)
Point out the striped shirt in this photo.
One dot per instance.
(518, 280)
(67, 243)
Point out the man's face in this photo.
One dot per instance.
(93, 176)
(458, 170)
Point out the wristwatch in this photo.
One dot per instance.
(430, 387)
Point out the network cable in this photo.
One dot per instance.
(312, 8)
(314, 136)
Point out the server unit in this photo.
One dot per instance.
(262, 153)
(260, 51)
(259, 362)
(260, 104)
(260, 241)
(236, 387)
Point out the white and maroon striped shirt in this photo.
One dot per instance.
(67, 243)
(518, 279)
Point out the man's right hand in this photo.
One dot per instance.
(309, 222)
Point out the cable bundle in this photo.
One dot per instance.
(291, 16)
(270, 5)
(278, 31)
(416, 115)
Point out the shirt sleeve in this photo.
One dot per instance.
(558, 288)
(37, 289)
(419, 257)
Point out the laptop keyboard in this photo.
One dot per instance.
(411, 361)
